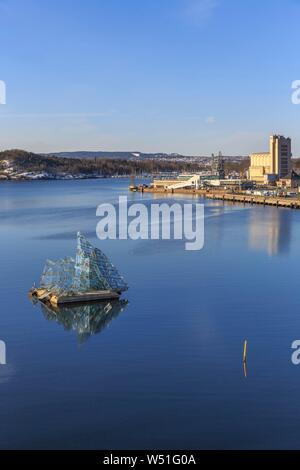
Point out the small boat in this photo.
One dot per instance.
(88, 277)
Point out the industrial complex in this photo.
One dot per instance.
(269, 179)
(271, 169)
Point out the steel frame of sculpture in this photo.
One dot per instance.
(90, 271)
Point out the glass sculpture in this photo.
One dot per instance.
(90, 271)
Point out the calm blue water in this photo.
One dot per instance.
(167, 371)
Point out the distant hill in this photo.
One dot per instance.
(112, 155)
(96, 154)
(19, 164)
(144, 156)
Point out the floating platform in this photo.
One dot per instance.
(46, 296)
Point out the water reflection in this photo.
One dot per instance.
(245, 370)
(7, 371)
(87, 319)
(270, 230)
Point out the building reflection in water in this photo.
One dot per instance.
(87, 319)
(270, 230)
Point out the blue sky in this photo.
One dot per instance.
(188, 76)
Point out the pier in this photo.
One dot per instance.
(292, 203)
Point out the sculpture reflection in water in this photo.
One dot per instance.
(87, 319)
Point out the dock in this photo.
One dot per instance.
(291, 203)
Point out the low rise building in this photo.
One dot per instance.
(182, 181)
(290, 181)
(229, 183)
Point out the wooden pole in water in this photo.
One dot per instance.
(245, 350)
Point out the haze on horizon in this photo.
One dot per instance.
(183, 76)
